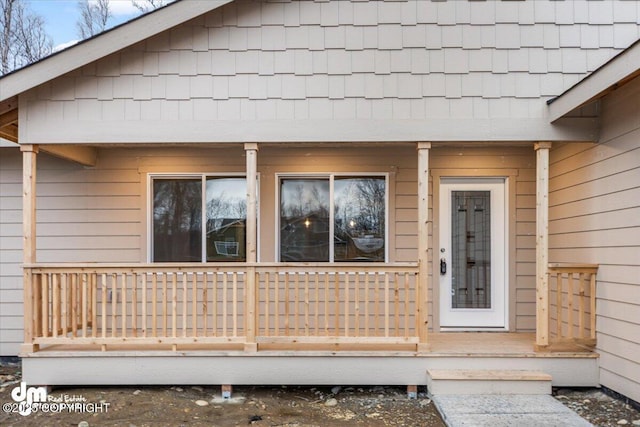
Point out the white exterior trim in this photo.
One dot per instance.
(623, 66)
(345, 130)
(5, 143)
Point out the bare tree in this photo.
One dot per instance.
(23, 39)
(145, 6)
(94, 16)
(6, 45)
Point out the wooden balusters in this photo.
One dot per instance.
(574, 314)
(308, 304)
(160, 305)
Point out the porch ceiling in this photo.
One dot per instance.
(9, 119)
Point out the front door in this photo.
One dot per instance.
(472, 256)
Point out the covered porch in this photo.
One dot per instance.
(256, 307)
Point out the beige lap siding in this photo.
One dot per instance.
(10, 251)
(595, 218)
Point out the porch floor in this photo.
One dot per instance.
(305, 364)
(443, 344)
(496, 344)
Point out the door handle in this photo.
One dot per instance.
(443, 266)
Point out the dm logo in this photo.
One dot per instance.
(26, 397)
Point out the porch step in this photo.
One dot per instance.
(476, 381)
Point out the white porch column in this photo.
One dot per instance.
(422, 287)
(251, 151)
(542, 243)
(29, 167)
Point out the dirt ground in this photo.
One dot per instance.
(275, 406)
(203, 406)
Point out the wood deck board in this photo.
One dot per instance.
(495, 343)
(484, 343)
(488, 375)
(461, 344)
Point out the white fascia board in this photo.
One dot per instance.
(274, 131)
(105, 44)
(595, 84)
(7, 143)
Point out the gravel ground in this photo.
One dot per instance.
(599, 408)
(276, 406)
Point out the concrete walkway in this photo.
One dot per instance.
(506, 411)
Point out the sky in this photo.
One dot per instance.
(61, 17)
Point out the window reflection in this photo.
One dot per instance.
(226, 213)
(304, 220)
(177, 220)
(359, 219)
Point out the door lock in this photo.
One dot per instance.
(443, 266)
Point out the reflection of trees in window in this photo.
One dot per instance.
(178, 235)
(305, 197)
(177, 220)
(224, 203)
(226, 213)
(304, 221)
(359, 222)
(358, 218)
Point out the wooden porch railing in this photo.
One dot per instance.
(337, 304)
(157, 305)
(572, 303)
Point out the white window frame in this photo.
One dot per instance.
(331, 177)
(191, 175)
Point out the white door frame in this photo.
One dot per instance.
(496, 317)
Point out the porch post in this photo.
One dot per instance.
(542, 243)
(422, 288)
(251, 151)
(29, 166)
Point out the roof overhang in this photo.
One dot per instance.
(104, 44)
(621, 69)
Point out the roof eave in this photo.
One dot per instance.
(104, 44)
(617, 71)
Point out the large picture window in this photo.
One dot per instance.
(199, 218)
(333, 218)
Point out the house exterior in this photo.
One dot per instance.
(615, 90)
(327, 191)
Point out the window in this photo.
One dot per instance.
(304, 220)
(334, 218)
(181, 205)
